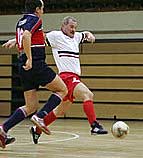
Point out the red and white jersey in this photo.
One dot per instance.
(65, 50)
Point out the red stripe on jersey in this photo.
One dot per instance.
(35, 27)
(38, 38)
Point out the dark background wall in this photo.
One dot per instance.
(17, 6)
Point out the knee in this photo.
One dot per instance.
(91, 95)
(63, 92)
(30, 109)
(88, 95)
(59, 113)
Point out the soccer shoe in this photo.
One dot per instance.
(35, 135)
(9, 140)
(2, 137)
(97, 129)
(39, 122)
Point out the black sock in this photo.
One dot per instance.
(18, 116)
(51, 104)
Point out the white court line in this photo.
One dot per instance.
(74, 136)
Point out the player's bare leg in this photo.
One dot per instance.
(81, 91)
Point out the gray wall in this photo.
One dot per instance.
(93, 21)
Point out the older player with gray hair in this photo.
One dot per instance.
(65, 49)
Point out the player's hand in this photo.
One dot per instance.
(9, 44)
(28, 64)
(89, 37)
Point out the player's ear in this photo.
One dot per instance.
(37, 9)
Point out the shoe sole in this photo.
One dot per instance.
(2, 142)
(99, 133)
(42, 128)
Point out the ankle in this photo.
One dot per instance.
(95, 123)
(3, 130)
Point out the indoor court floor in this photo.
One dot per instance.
(72, 139)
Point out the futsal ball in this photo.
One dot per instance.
(120, 129)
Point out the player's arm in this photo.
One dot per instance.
(44, 34)
(26, 41)
(50, 39)
(46, 40)
(88, 36)
(10, 43)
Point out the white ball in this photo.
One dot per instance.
(120, 129)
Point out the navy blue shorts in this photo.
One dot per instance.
(40, 74)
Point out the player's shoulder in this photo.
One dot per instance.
(54, 33)
(31, 18)
(34, 18)
(78, 33)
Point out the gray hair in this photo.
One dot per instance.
(67, 19)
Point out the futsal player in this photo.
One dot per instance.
(65, 49)
(33, 71)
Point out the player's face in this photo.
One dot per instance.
(70, 28)
(40, 11)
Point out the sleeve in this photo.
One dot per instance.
(50, 38)
(80, 37)
(33, 24)
(83, 38)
